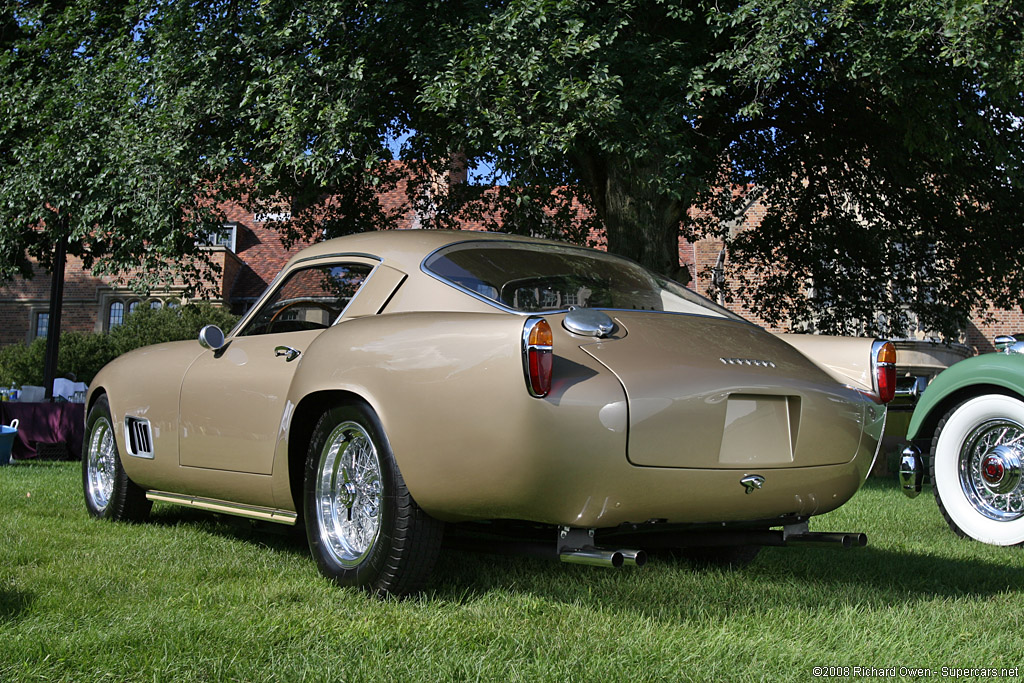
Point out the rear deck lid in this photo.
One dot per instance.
(709, 392)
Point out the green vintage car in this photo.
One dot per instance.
(970, 423)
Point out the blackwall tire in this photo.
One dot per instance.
(363, 527)
(976, 458)
(109, 493)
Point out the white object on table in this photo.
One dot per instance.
(66, 389)
(31, 394)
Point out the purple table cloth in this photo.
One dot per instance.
(45, 423)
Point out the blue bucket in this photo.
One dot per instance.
(7, 435)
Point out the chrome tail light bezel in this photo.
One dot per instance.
(538, 358)
(883, 372)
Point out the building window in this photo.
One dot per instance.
(42, 324)
(156, 304)
(132, 306)
(225, 237)
(116, 315)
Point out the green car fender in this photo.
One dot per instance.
(988, 373)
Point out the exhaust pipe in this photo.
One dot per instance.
(825, 538)
(593, 556)
(634, 558)
(600, 557)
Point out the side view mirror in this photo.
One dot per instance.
(211, 337)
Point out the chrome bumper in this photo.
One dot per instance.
(911, 471)
(908, 392)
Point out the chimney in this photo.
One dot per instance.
(458, 169)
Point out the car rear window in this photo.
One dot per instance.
(539, 277)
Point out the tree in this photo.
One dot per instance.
(882, 136)
(83, 156)
(80, 172)
(83, 355)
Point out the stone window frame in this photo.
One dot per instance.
(34, 312)
(131, 301)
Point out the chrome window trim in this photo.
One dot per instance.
(255, 308)
(505, 309)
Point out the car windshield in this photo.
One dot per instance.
(537, 277)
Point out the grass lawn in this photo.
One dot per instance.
(195, 597)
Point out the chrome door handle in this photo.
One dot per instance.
(288, 352)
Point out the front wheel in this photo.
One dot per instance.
(976, 468)
(363, 527)
(109, 493)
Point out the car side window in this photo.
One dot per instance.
(309, 299)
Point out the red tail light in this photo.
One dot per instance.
(884, 364)
(537, 358)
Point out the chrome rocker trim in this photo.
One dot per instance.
(225, 507)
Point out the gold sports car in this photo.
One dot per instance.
(392, 389)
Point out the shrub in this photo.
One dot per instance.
(82, 355)
(148, 326)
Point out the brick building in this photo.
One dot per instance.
(250, 253)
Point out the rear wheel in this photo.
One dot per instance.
(109, 493)
(363, 527)
(977, 458)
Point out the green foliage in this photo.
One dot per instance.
(83, 355)
(88, 153)
(154, 326)
(878, 136)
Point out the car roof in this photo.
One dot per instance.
(403, 249)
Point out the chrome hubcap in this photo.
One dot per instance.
(348, 494)
(990, 469)
(101, 464)
(1000, 469)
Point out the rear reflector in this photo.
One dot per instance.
(537, 358)
(884, 363)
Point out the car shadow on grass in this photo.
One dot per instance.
(806, 578)
(277, 537)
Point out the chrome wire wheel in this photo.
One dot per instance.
(976, 466)
(990, 469)
(101, 464)
(348, 494)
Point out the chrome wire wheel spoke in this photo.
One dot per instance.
(348, 494)
(990, 469)
(102, 463)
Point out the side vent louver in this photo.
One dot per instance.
(138, 437)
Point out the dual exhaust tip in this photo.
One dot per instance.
(604, 558)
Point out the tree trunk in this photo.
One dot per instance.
(53, 323)
(640, 224)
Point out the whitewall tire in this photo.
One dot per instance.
(976, 461)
